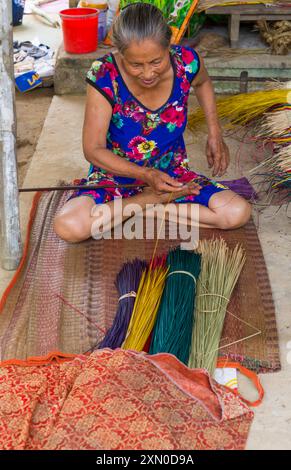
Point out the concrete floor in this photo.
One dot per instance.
(35, 28)
(59, 155)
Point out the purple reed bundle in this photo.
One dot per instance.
(127, 282)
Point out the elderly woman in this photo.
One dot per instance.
(136, 113)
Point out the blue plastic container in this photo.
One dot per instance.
(17, 11)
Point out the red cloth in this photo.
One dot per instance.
(118, 400)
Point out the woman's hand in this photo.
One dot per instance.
(217, 154)
(161, 182)
(167, 197)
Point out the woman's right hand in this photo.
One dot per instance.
(161, 182)
(171, 192)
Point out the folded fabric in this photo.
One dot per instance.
(118, 400)
(45, 68)
(241, 186)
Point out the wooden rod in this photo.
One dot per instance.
(65, 188)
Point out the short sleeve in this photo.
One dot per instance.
(100, 77)
(191, 62)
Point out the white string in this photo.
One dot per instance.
(125, 296)
(184, 272)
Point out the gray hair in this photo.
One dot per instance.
(140, 21)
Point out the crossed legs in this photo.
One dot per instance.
(226, 210)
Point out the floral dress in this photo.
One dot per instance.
(145, 136)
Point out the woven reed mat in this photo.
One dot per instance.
(63, 298)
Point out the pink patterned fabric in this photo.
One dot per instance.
(118, 400)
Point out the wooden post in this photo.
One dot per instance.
(9, 196)
(243, 85)
(233, 25)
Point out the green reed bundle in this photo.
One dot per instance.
(220, 269)
(174, 325)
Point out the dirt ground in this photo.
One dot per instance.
(31, 110)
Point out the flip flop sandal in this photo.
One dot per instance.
(44, 47)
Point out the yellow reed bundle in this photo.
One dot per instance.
(146, 306)
(238, 110)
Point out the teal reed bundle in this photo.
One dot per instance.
(173, 329)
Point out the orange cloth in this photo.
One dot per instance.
(118, 400)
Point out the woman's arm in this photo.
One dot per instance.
(98, 113)
(216, 150)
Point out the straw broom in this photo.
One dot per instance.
(220, 270)
(172, 332)
(146, 305)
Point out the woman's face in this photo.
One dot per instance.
(146, 62)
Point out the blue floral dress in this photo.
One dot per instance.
(146, 136)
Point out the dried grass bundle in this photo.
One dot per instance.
(220, 270)
(205, 4)
(275, 127)
(277, 35)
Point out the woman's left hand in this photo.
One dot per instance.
(217, 154)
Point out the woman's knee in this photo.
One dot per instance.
(70, 228)
(235, 215)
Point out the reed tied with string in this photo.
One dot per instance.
(146, 304)
(127, 282)
(173, 328)
(220, 270)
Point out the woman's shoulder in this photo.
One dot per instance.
(102, 75)
(101, 66)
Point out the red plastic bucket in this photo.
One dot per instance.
(80, 30)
